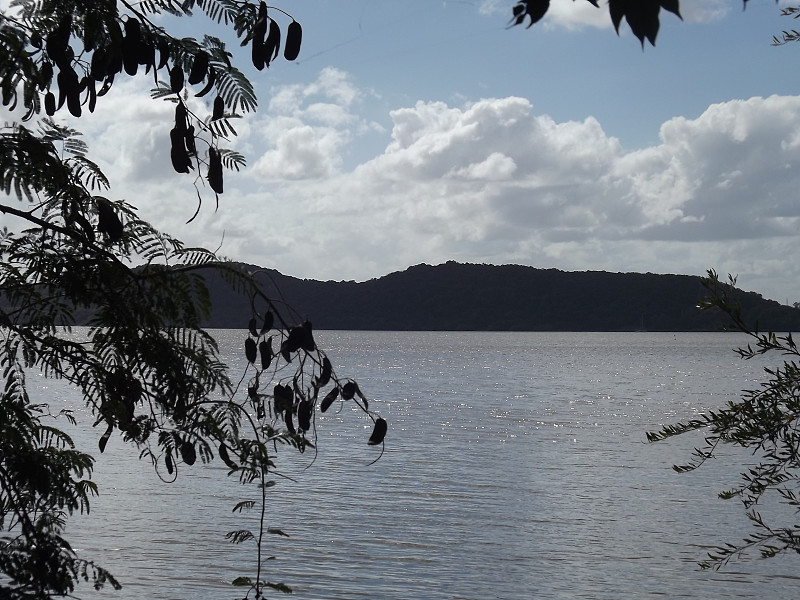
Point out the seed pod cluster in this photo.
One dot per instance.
(265, 39)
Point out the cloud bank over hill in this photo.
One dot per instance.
(487, 181)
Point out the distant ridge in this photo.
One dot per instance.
(473, 297)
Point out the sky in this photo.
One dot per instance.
(425, 131)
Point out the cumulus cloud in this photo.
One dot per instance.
(492, 181)
(306, 127)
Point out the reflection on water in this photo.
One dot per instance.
(515, 467)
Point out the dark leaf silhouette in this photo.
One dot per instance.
(251, 326)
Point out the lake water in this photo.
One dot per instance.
(515, 466)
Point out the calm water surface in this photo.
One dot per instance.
(515, 467)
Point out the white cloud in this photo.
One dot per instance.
(306, 127)
(491, 181)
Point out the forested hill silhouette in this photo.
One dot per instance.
(464, 297)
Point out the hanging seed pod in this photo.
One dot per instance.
(265, 350)
(215, 172)
(284, 398)
(191, 146)
(287, 418)
(115, 57)
(348, 390)
(250, 350)
(69, 84)
(130, 46)
(304, 412)
(178, 153)
(176, 79)
(188, 452)
(99, 64)
(269, 320)
(307, 340)
(294, 36)
(259, 34)
(199, 68)
(163, 52)
(181, 118)
(45, 75)
(219, 109)
(92, 94)
(296, 338)
(272, 45)
(57, 42)
(325, 374)
(50, 104)
(378, 432)
(146, 54)
(285, 353)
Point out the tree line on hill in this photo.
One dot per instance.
(479, 297)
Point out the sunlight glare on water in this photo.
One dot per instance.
(515, 467)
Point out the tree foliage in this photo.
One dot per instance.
(766, 421)
(145, 368)
(642, 16)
